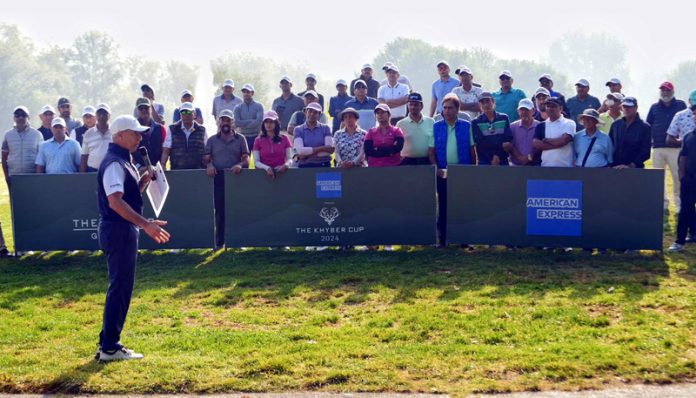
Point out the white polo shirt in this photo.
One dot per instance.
(559, 157)
(388, 92)
(95, 144)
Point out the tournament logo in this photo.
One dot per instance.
(329, 214)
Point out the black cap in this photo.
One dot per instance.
(63, 101)
(415, 97)
(554, 100)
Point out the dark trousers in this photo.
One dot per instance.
(687, 215)
(119, 241)
(219, 196)
(414, 161)
(442, 210)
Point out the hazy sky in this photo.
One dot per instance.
(335, 38)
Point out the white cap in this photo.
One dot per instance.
(314, 106)
(505, 73)
(387, 64)
(104, 107)
(311, 76)
(185, 93)
(613, 80)
(226, 113)
(22, 108)
(462, 69)
(546, 76)
(391, 67)
(526, 103)
(47, 108)
(187, 106)
(286, 78)
(228, 83)
(248, 87)
(366, 66)
(126, 122)
(58, 121)
(89, 110)
(542, 90)
(583, 82)
(341, 82)
(442, 62)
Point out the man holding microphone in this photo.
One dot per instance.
(120, 218)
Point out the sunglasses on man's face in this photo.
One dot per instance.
(187, 113)
(21, 115)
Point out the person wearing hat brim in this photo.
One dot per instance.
(287, 104)
(591, 147)
(664, 155)
(313, 140)
(248, 116)
(187, 97)
(226, 100)
(614, 112)
(394, 94)
(65, 110)
(364, 104)
(311, 84)
(96, 142)
(370, 82)
(631, 137)
(583, 100)
(614, 87)
(350, 141)
(157, 111)
(120, 215)
(89, 120)
(546, 82)
(59, 154)
(508, 97)
(492, 134)
(300, 116)
(153, 139)
(272, 150)
(337, 104)
(686, 222)
(441, 87)
(554, 137)
(418, 130)
(185, 142)
(521, 149)
(46, 118)
(468, 93)
(383, 143)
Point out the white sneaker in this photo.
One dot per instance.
(122, 354)
(676, 247)
(321, 248)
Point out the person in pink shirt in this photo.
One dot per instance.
(272, 150)
(383, 143)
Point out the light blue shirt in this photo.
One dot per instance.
(602, 150)
(63, 158)
(442, 88)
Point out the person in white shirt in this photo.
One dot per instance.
(554, 137)
(96, 141)
(394, 94)
(467, 92)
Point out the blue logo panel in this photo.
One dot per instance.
(328, 185)
(554, 208)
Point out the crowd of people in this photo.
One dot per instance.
(381, 124)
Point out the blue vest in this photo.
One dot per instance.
(131, 191)
(462, 131)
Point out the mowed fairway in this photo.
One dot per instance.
(418, 320)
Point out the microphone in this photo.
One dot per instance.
(146, 159)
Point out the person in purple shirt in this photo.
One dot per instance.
(521, 150)
(313, 140)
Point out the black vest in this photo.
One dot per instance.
(131, 190)
(187, 154)
(80, 132)
(152, 140)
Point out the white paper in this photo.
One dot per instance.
(158, 190)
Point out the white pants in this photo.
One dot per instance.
(669, 157)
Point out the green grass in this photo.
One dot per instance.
(420, 321)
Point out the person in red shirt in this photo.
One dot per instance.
(383, 143)
(272, 150)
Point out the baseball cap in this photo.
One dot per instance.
(542, 90)
(187, 106)
(286, 79)
(146, 86)
(21, 109)
(613, 80)
(583, 82)
(312, 93)
(546, 76)
(359, 81)
(314, 106)
(442, 62)
(47, 108)
(248, 87)
(505, 73)
(142, 101)
(367, 66)
(526, 103)
(126, 122)
(630, 102)
(615, 96)
(63, 101)
(415, 97)
(270, 115)
(341, 82)
(667, 85)
(226, 113)
(185, 93)
(383, 107)
(553, 100)
(387, 65)
(485, 95)
(228, 83)
(391, 67)
(58, 121)
(462, 69)
(592, 113)
(311, 76)
(89, 110)
(350, 111)
(104, 107)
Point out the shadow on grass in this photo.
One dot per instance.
(276, 275)
(71, 381)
